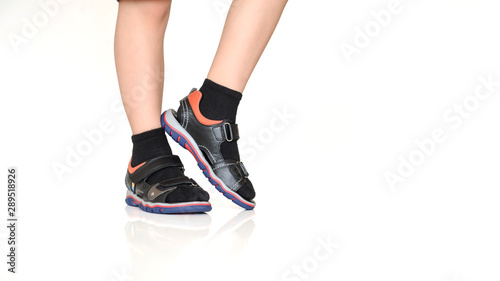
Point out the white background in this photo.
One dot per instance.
(319, 173)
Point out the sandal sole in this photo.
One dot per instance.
(166, 208)
(184, 139)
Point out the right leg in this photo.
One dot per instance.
(140, 31)
(155, 178)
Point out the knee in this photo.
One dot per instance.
(154, 10)
(157, 9)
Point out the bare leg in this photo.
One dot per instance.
(140, 31)
(249, 26)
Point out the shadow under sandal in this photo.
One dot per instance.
(172, 196)
(203, 138)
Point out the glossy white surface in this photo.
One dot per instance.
(318, 135)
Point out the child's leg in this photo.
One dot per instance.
(249, 26)
(155, 178)
(207, 117)
(140, 30)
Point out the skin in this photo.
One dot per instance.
(139, 36)
(248, 28)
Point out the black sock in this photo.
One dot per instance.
(217, 103)
(149, 145)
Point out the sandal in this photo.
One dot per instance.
(172, 196)
(203, 140)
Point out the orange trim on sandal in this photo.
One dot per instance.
(194, 99)
(133, 169)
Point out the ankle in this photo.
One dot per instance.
(148, 145)
(219, 102)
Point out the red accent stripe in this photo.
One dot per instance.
(188, 148)
(194, 100)
(131, 169)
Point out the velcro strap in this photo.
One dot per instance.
(232, 173)
(231, 132)
(177, 181)
(154, 165)
(226, 132)
(243, 170)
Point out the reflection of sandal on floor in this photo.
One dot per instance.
(203, 138)
(230, 241)
(177, 195)
(160, 241)
(200, 221)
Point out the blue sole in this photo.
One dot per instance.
(184, 143)
(195, 208)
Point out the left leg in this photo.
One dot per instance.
(155, 178)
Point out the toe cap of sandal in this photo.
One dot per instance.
(247, 191)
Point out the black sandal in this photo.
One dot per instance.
(155, 198)
(203, 141)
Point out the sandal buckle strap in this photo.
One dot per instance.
(229, 132)
(154, 165)
(226, 132)
(177, 181)
(232, 173)
(243, 169)
(167, 186)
